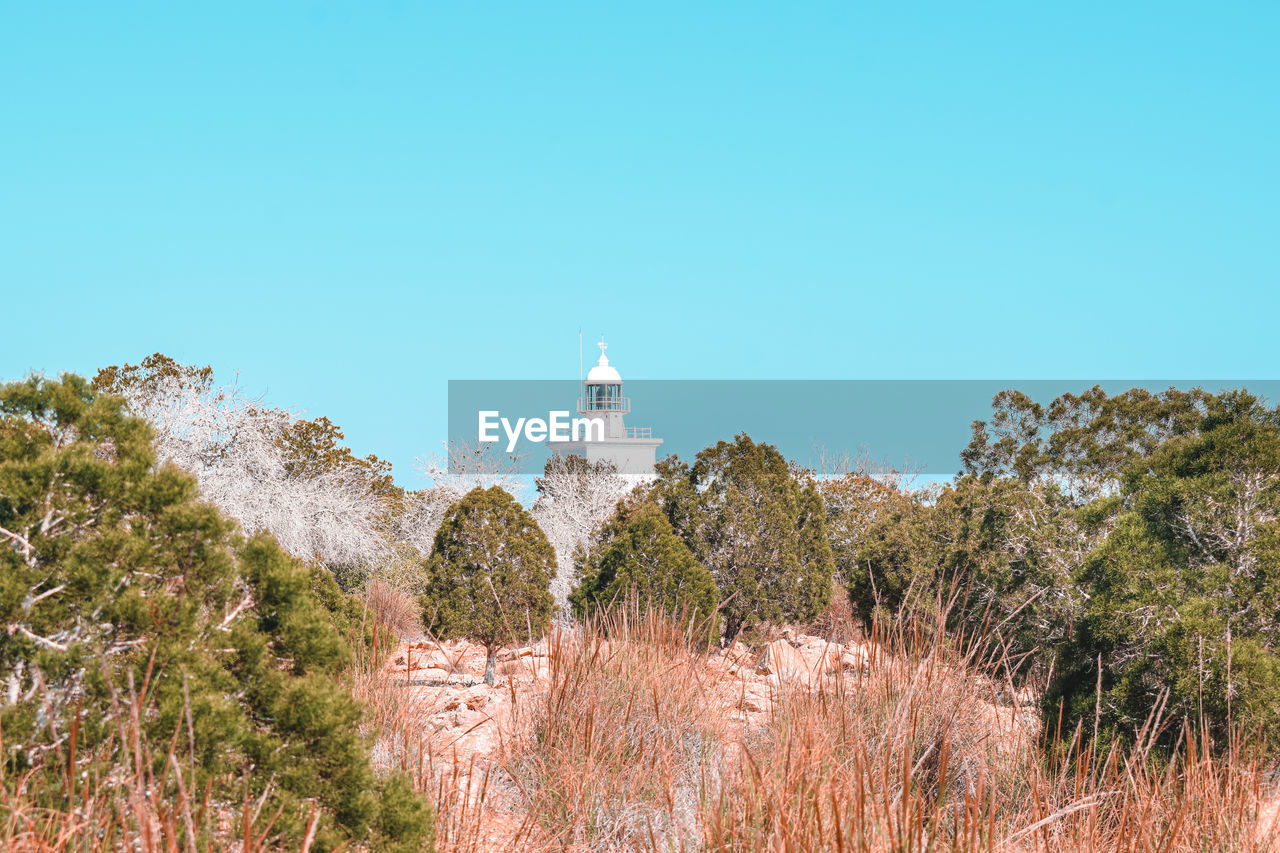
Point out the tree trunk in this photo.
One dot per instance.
(489, 666)
(732, 625)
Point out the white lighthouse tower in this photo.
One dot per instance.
(632, 450)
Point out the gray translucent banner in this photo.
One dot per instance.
(917, 425)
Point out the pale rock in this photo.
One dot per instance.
(735, 660)
(855, 658)
(467, 719)
(821, 657)
(781, 659)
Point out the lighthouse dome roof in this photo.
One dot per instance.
(603, 373)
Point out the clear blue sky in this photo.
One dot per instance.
(350, 204)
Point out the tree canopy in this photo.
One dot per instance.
(757, 525)
(1184, 593)
(637, 552)
(1128, 544)
(488, 578)
(117, 581)
(995, 554)
(575, 496)
(265, 467)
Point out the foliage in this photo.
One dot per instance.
(1084, 443)
(488, 578)
(462, 467)
(856, 503)
(637, 553)
(116, 580)
(757, 525)
(1161, 511)
(312, 448)
(995, 553)
(867, 526)
(1182, 606)
(264, 467)
(574, 497)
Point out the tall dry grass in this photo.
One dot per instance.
(837, 622)
(907, 754)
(398, 722)
(129, 793)
(617, 751)
(392, 609)
(630, 747)
(626, 740)
(920, 753)
(458, 788)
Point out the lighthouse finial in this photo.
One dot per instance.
(603, 346)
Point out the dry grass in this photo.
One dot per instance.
(837, 623)
(392, 608)
(625, 743)
(617, 751)
(121, 797)
(628, 750)
(458, 787)
(915, 755)
(908, 756)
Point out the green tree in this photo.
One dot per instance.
(1183, 592)
(996, 554)
(1081, 444)
(488, 578)
(115, 574)
(881, 554)
(866, 518)
(637, 552)
(270, 470)
(758, 526)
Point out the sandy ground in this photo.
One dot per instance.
(467, 723)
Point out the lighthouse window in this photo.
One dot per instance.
(604, 397)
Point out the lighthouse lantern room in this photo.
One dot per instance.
(632, 450)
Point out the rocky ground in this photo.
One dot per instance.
(462, 729)
(467, 724)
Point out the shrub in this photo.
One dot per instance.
(490, 573)
(117, 582)
(637, 553)
(1182, 594)
(996, 553)
(758, 528)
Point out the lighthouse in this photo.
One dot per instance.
(632, 450)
